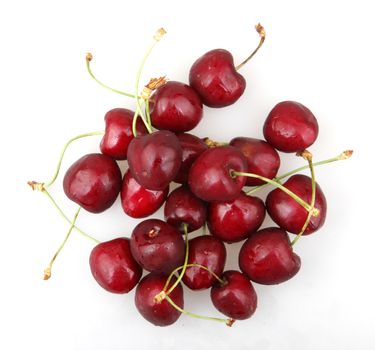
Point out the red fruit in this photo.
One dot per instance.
(267, 257)
(93, 182)
(289, 214)
(113, 266)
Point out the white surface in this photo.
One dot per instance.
(319, 53)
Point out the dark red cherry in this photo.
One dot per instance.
(176, 107)
(114, 267)
(209, 252)
(155, 159)
(118, 132)
(192, 146)
(290, 127)
(183, 207)
(216, 80)
(93, 182)
(235, 220)
(236, 298)
(289, 214)
(157, 246)
(158, 313)
(267, 257)
(262, 158)
(137, 201)
(210, 175)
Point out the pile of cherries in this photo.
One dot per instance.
(212, 179)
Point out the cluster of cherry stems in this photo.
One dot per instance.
(212, 177)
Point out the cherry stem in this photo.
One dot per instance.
(47, 271)
(262, 34)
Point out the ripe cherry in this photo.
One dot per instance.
(210, 176)
(262, 158)
(93, 182)
(290, 215)
(290, 127)
(236, 297)
(113, 266)
(137, 201)
(235, 220)
(267, 257)
(155, 159)
(159, 313)
(157, 246)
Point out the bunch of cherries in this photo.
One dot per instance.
(212, 178)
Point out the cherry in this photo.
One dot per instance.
(192, 146)
(236, 298)
(183, 207)
(113, 266)
(290, 215)
(267, 257)
(93, 182)
(155, 159)
(176, 107)
(209, 252)
(290, 127)
(118, 132)
(159, 313)
(210, 176)
(262, 158)
(235, 220)
(157, 246)
(137, 201)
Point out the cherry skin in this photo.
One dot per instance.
(235, 220)
(113, 266)
(262, 158)
(210, 175)
(93, 182)
(290, 215)
(290, 127)
(137, 201)
(216, 80)
(176, 107)
(209, 252)
(157, 246)
(155, 159)
(158, 313)
(118, 132)
(192, 146)
(183, 207)
(267, 257)
(236, 298)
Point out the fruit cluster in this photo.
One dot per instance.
(212, 178)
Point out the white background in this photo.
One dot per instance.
(319, 53)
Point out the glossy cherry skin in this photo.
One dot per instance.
(93, 182)
(290, 127)
(157, 246)
(176, 107)
(137, 201)
(290, 215)
(207, 251)
(210, 175)
(235, 220)
(262, 158)
(267, 257)
(216, 80)
(114, 267)
(158, 313)
(155, 159)
(236, 298)
(183, 207)
(192, 146)
(118, 132)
